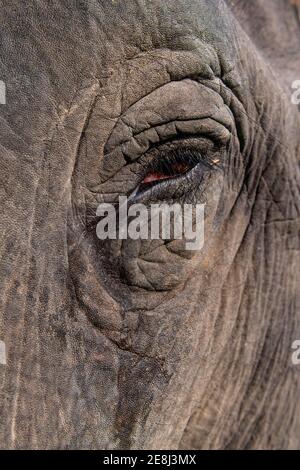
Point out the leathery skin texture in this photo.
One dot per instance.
(141, 344)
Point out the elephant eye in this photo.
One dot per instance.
(169, 167)
(175, 169)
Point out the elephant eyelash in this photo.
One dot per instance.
(188, 159)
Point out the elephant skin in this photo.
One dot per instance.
(142, 344)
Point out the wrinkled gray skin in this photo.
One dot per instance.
(146, 345)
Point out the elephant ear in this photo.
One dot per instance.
(274, 28)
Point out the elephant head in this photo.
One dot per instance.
(142, 343)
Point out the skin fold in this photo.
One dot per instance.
(142, 344)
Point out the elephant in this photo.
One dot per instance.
(143, 344)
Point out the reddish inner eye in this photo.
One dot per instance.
(176, 169)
